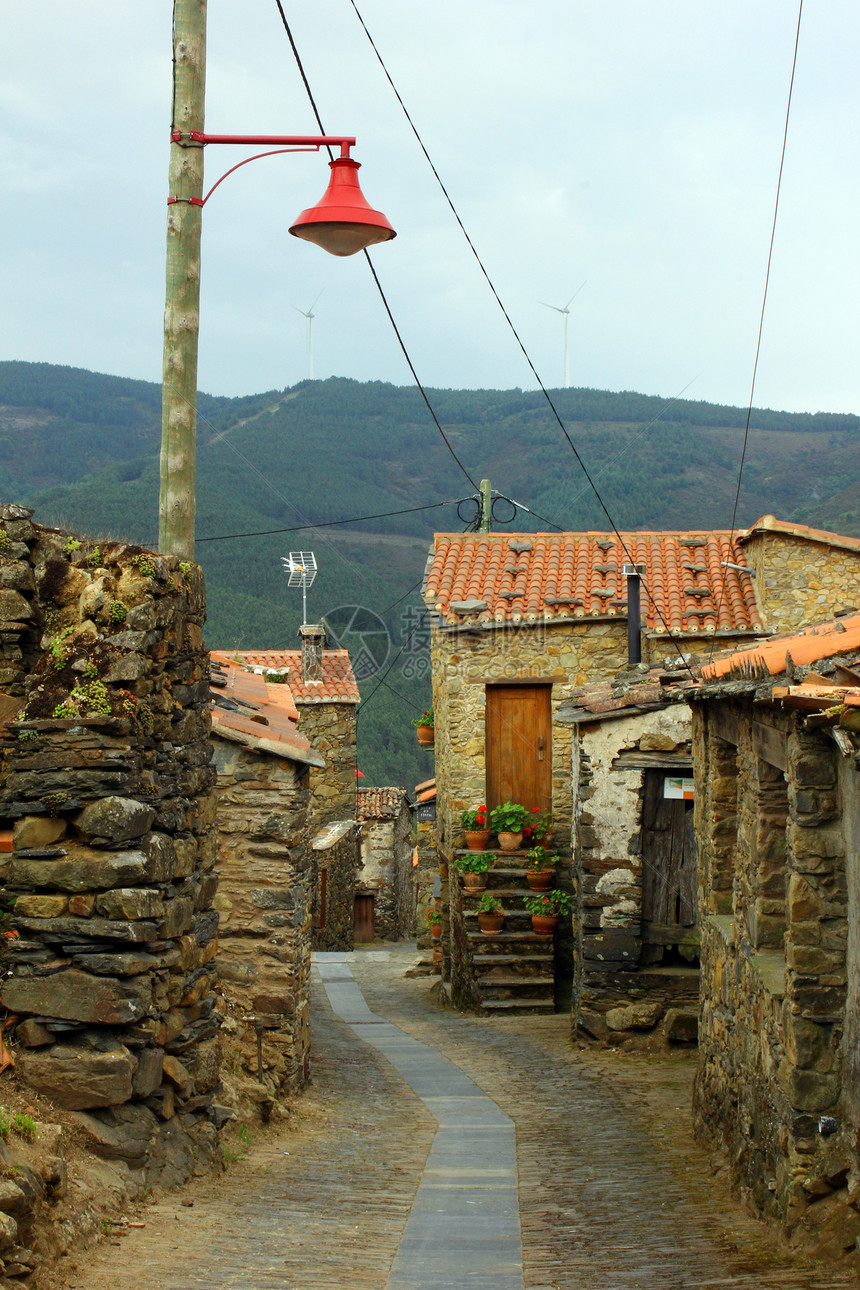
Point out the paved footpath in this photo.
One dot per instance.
(438, 1150)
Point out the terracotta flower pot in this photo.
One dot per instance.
(475, 882)
(544, 924)
(510, 841)
(436, 931)
(491, 924)
(477, 839)
(539, 879)
(425, 735)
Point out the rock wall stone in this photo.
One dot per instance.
(107, 788)
(335, 861)
(386, 873)
(265, 901)
(331, 730)
(799, 582)
(772, 1059)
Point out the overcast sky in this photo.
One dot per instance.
(630, 144)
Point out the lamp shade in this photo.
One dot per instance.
(342, 222)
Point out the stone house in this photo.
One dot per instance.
(265, 867)
(520, 621)
(385, 888)
(107, 789)
(776, 732)
(325, 694)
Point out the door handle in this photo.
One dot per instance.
(540, 747)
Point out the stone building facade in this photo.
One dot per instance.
(775, 750)
(386, 876)
(107, 801)
(637, 938)
(265, 895)
(802, 575)
(326, 698)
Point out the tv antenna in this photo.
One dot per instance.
(565, 311)
(309, 315)
(301, 569)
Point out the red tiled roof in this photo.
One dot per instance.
(840, 636)
(769, 524)
(338, 684)
(539, 577)
(379, 803)
(256, 714)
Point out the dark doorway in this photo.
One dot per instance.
(668, 857)
(363, 919)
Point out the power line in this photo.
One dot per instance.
(400, 339)
(764, 299)
(324, 524)
(513, 329)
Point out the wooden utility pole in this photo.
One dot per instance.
(486, 505)
(176, 505)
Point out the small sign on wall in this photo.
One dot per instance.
(678, 789)
(426, 811)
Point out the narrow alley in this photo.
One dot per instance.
(435, 1150)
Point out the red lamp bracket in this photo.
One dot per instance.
(295, 142)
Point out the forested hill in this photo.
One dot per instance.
(83, 449)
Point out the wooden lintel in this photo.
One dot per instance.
(555, 679)
(770, 745)
(724, 724)
(666, 934)
(652, 761)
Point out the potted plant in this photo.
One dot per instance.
(473, 866)
(424, 727)
(491, 915)
(545, 909)
(434, 920)
(508, 820)
(475, 828)
(538, 826)
(539, 867)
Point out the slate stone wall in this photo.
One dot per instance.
(386, 873)
(265, 899)
(800, 582)
(772, 1058)
(334, 900)
(331, 731)
(107, 788)
(619, 985)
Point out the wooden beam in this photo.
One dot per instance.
(770, 745)
(723, 723)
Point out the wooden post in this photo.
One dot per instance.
(176, 505)
(486, 505)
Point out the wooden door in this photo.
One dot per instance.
(363, 919)
(668, 857)
(519, 745)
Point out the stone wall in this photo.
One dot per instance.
(772, 1060)
(621, 984)
(335, 862)
(331, 730)
(799, 582)
(107, 785)
(386, 873)
(265, 899)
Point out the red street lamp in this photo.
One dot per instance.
(342, 222)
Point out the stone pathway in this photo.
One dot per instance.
(402, 1166)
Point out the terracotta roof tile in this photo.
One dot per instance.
(840, 636)
(338, 683)
(265, 715)
(531, 577)
(379, 803)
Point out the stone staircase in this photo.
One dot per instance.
(514, 971)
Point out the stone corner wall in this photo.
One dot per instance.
(334, 883)
(331, 731)
(386, 873)
(799, 582)
(265, 900)
(107, 790)
(772, 1059)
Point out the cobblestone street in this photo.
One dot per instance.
(408, 1176)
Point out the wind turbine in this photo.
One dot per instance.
(564, 313)
(309, 314)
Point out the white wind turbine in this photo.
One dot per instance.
(564, 313)
(309, 314)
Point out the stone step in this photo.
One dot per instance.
(506, 935)
(517, 1005)
(482, 959)
(513, 979)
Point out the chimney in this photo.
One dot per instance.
(313, 642)
(633, 574)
